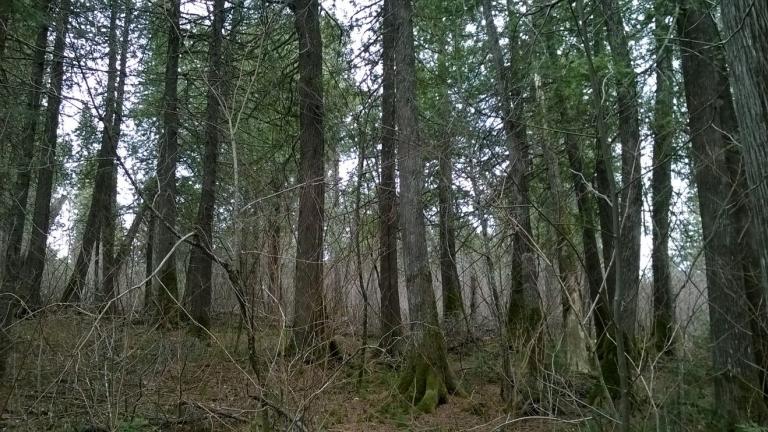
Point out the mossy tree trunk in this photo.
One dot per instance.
(427, 378)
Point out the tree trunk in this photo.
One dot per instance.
(34, 263)
(20, 193)
(524, 315)
(112, 262)
(746, 25)
(309, 309)
(149, 306)
(453, 305)
(165, 282)
(391, 322)
(737, 395)
(101, 196)
(427, 378)
(200, 268)
(273, 251)
(611, 340)
(631, 175)
(661, 185)
(605, 330)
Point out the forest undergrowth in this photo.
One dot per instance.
(72, 371)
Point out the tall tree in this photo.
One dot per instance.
(391, 323)
(24, 157)
(34, 263)
(99, 210)
(746, 25)
(737, 394)
(112, 259)
(427, 378)
(165, 283)
(309, 308)
(200, 268)
(454, 322)
(661, 182)
(524, 312)
(631, 206)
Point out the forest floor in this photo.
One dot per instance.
(79, 373)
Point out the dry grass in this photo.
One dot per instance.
(74, 372)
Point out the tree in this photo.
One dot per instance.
(746, 24)
(34, 263)
(737, 394)
(165, 283)
(200, 268)
(100, 208)
(427, 378)
(309, 309)
(631, 183)
(391, 323)
(523, 315)
(25, 154)
(661, 184)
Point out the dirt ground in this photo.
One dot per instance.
(76, 372)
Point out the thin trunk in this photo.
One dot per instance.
(101, 195)
(427, 378)
(610, 340)
(200, 268)
(309, 309)
(453, 305)
(661, 185)
(165, 284)
(358, 249)
(149, 265)
(391, 322)
(737, 392)
(112, 262)
(602, 317)
(273, 251)
(34, 263)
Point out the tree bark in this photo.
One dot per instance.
(34, 264)
(631, 200)
(737, 394)
(661, 184)
(20, 191)
(165, 282)
(523, 315)
(200, 268)
(427, 378)
(101, 196)
(391, 322)
(112, 261)
(309, 308)
(453, 305)
(746, 25)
